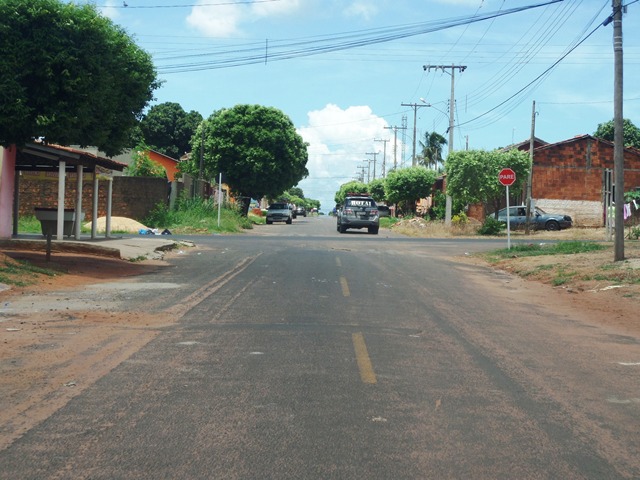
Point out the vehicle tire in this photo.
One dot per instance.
(269, 222)
(289, 221)
(552, 226)
(373, 230)
(342, 229)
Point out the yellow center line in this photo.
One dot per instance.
(345, 287)
(367, 375)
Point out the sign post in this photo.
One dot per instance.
(507, 177)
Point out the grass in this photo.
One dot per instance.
(20, 273)
(200, 216)
(535, 249)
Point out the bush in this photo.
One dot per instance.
(460, 219)
(492, 226)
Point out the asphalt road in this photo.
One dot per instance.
(301, 353)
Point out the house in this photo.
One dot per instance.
(568, 177)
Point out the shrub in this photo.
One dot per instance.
(492, 226)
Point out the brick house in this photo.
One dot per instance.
(568, 177)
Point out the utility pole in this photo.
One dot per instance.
(395, 143)
(384, 155)
(460, 68)
(618, 133)
(530, 178)
(415, 107)
(374, 154)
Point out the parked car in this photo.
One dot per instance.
(279, 212)
(358, 211)
(300, 211)
(540, 220)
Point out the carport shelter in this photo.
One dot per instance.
(54, 162)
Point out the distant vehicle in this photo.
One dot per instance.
(540, 220)
(279, 212)
(358, 211)
(384, 211)
(300, 211)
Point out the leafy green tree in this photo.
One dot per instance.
(350, 187)
(257, 148)
(297, 191)
(630, 131)
(432, 149)
(408, 185)
(168, 129)
(376, 188)
(142, 165)
(70, 76)
(472, 175)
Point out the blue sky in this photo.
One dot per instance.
(213, 54)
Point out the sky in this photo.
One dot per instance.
(342, 70)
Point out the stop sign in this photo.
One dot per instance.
(507, 177)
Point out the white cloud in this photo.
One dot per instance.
(226, 20)
(221, 21)
(282, 7)
(360, 8)
(108, 9)
(339, 140)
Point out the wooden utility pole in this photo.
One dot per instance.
(460, 68)
(618, 132)
(374, 155)
(530, 177)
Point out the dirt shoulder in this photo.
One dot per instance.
(54, 347)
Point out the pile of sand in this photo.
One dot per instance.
(118, 224)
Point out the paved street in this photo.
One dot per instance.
(301, 353)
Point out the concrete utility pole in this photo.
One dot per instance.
(384, 155)
(618, 132)
(415, 107)
(530, 178)
(374, 154)
(395, 143)
(461, 68)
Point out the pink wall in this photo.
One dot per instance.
(7, 177)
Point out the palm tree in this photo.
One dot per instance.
(432, 149)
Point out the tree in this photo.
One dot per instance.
(296, 191)
(630, 131)
(142, 165)
(69, 76)
(432, 149)
(257, 148)
(472, 175)
(408, 185)
(350, 187)
(376, 188)
(168, 129)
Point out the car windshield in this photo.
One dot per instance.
(278, 206)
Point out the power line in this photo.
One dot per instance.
(286, 50)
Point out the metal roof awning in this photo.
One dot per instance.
(41, 157)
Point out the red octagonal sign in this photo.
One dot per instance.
(507, 177)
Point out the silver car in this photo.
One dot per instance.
(279, 212)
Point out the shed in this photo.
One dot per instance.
(56, 162)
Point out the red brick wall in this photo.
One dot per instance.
(133, 197)
(573, 170)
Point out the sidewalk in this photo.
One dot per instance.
(127, 247)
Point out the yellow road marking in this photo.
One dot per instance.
(345, 286)
(367, 375)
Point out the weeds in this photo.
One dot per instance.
(21, 274)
